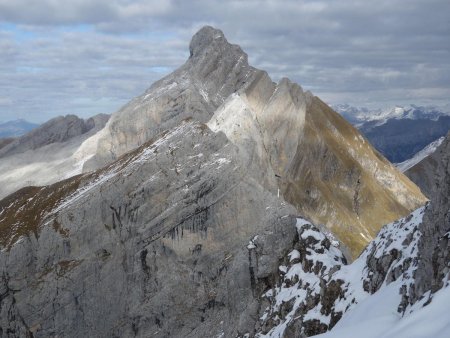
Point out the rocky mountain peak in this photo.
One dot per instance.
(290, 130)
(206, 36)
(210, 50)
(209, 39)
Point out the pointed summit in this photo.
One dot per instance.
(209, 39)
(213, 58)
(205, 37)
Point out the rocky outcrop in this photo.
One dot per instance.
(434, 245)
(214, 70)
(316, 288)
(302, 301)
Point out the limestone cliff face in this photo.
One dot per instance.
(337, 178)
(434, 246)
(154, 244)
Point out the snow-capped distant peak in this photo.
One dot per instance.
(360, 115)
(419, 156)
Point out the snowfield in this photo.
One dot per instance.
(375, 317)
(419, 156)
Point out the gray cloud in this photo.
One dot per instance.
(87, 57)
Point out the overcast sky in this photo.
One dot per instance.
(91, 56)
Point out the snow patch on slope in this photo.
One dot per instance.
(301, 282)
(317, 288)
(419, 156)
(374, 318)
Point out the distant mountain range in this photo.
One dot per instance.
(16, 128)
(362, 115)
(399, 132)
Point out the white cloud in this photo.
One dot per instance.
(92, 56)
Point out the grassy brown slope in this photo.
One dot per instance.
(22, 212)
(333, 186)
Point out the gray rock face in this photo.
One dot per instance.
(422, 174)
(434, 245)
(214, 70)
(290, 130)
(126, 252)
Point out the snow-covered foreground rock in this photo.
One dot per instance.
(374, 318)
(378, 293)
(398, 287)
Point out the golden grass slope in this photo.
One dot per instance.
(340, 180)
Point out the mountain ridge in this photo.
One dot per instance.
(217, 78)
(47, 154)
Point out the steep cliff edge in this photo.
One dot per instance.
(321, 164)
